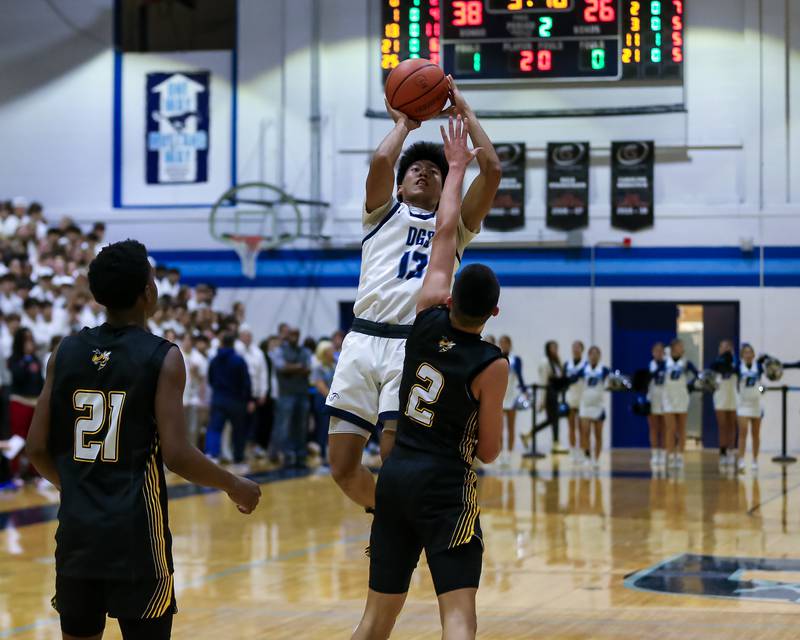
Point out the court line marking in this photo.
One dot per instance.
(783, 493)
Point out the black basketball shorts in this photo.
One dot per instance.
(144, 608)
(423, 503)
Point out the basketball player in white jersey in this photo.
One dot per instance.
(398, 228)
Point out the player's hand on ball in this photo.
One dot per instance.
(460, 105)
(245, 494)
(458, 154)
(401, 118)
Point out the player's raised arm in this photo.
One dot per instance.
(39, 433)
(439, 276)
(179, 455)
(481, 192)
(380, 179)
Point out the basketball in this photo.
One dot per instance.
(418, 88)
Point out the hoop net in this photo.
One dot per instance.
(247, 248)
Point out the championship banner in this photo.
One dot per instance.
(568, 185)
(508, 210)
(177, 127)
(632, 185)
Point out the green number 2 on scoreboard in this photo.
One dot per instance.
(545, 27)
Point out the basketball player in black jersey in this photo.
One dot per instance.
(110, 414)
(451, 405)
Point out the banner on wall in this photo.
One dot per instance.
(632, 184)
(508, 210)
(178, 127)
(568, 185)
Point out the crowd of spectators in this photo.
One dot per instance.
(271, 394)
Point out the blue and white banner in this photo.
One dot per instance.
(178, 127)
(174, 128)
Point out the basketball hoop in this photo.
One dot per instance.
(247, 248)
(255, 216)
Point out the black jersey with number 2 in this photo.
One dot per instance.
(438, 413)
(103, 437)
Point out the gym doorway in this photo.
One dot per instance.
(636, 326)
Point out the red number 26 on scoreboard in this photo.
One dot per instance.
(599, 11)
(467, 13)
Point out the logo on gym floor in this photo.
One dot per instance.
(445, 344)
(773, 579)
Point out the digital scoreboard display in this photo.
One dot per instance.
(538, 40)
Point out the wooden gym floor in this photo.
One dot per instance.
(559, 547)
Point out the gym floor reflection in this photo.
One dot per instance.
(568, 555)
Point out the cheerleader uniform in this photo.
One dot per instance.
(676, 385)
(516, 384)
(573, 371)
(655, 391)
(725, 395)
(592, 405)
(749, 401)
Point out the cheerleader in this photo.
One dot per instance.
(675, 401)
(516, 386)
(655, 395)
(592, 407)
(551, 375)
(572, 370)
(725, 402)
(748, 406)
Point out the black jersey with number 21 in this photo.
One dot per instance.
(103, 438)
(438, 413)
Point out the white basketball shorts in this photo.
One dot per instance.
(366, 386)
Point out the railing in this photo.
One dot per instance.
(784, 390)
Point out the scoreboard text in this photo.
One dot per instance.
(538, 40)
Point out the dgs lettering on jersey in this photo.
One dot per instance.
(98, 409)
(419, 237)
(426, 393)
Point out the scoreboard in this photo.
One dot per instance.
(538, 40)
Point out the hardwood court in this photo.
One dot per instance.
(559, 546)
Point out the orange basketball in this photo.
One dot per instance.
(418, 88)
